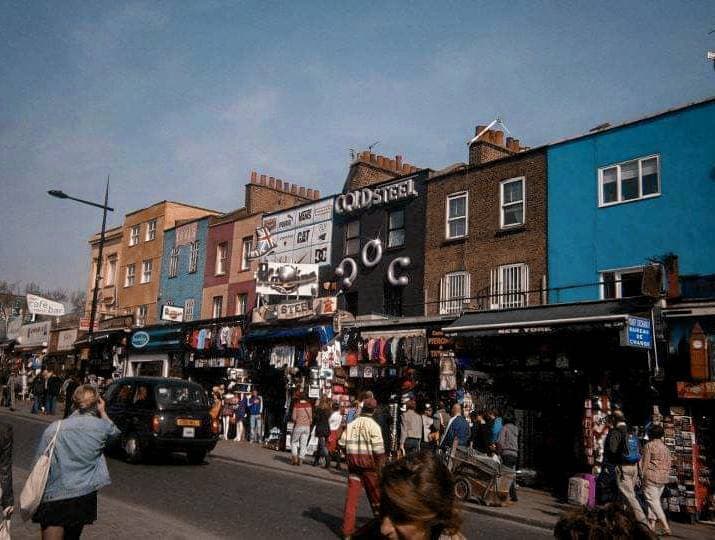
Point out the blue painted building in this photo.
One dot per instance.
(624, 195)
(182, 267)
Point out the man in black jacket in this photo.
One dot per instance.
(8, 500)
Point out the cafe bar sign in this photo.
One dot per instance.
(365, 198)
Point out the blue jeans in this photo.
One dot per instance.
(37, 404)
(50, 404)
(256, 428)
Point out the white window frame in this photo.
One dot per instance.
(390, 229)
(174, 262)
(448, 219)
(147, 268)
(503, 206)
(502, 291)
(221, 259)
(111, 271)
(150, 230)
(134, 231)
(189, 306)
(141, 314)
(617, 275)
(246, 246)
(449, 303)
(640, 160)
(130, 275)
(241, 300)
(194, 258)
(217, 307)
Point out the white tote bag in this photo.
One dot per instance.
(34, 489)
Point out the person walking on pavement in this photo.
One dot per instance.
(240, 416)
(622, 451)
(411, 430)
(70, 386)
(417, 500)
(54, 385)
(336, 424)
(430, 434)
(6, 442)
(441, 418)
(38, 394)
(365, 450)
(508, 448)
(457, 431)
(655, 468)
(11, 384)
(495, 421)
(255, 411)
(321, 423)
(481, 434)
(78, 467)
(302, 421)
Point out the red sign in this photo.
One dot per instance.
(693, 390)
(84, 324)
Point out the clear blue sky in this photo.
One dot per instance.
(180, 100)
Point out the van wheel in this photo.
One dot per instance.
(132, 448)
(196, 457)
(462, 489)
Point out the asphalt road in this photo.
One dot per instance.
(220, 499)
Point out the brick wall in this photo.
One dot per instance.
(267, 194)
(487, 245)
(369, 169)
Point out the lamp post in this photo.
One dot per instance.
(62, 195)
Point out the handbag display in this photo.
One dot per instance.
(34, 488)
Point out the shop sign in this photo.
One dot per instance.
(84, 324)
(692, 390)
(437, 342)
(295, 310)
(638, 333)
(124, 321)
(41, 306)
(365, 198)
(287, 279)
(140, 339)
(35, 335)
(298, 236)
(172, 313)
(66, 339)
(13, 328)
(186, 234)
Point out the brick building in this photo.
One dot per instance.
(383, 202)
(485, 244)
(229, 284)
(109, 283)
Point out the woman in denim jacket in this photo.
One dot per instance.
(78, 468)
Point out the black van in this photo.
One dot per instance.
(161, 415)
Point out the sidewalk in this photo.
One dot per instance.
(536, 508)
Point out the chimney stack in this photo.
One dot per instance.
(262, 180)
(491, 146)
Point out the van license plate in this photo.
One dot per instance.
(189, 432)
(188, 422)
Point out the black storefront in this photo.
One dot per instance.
(378, 247)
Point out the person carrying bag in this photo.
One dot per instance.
(34, 489)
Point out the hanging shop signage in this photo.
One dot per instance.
(693, 390)
(638, 332)
(35, 335)
(295, 310)
(172, 313)
(123, 321)
(84, 324)
(437, 343)
(13, 328)
(365, 198)
(159, 338)
(287, 279)
(301, 235)
(41, 306)
(66, 339)
(186, 234)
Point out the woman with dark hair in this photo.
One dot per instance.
(321, 423)
(655, 468)
(78, 468)
(613, 521)
(417, 500)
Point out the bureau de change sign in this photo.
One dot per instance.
(637, 333)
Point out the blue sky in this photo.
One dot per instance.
(181, 100)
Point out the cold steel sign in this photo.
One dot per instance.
(365, 198)
(301, 235)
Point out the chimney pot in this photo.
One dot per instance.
(254, 177)
(517, 148)
(309, 193)
(301, 191)
(263, 180)
(371, 157)
(405, 167)
(294, 189)
(499, 138)
(316, 194)
(271, 182)
(286, 187)
(279, 183)
(478, 130)
(398, 162)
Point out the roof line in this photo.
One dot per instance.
(171, 202)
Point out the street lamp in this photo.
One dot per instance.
(62, 195)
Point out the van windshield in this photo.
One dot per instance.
(177, 395)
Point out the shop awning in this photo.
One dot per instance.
(540, 319)
(100, 337)
(323, 332)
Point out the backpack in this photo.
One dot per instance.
(632, 454)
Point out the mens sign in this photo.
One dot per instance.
(365, 198)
